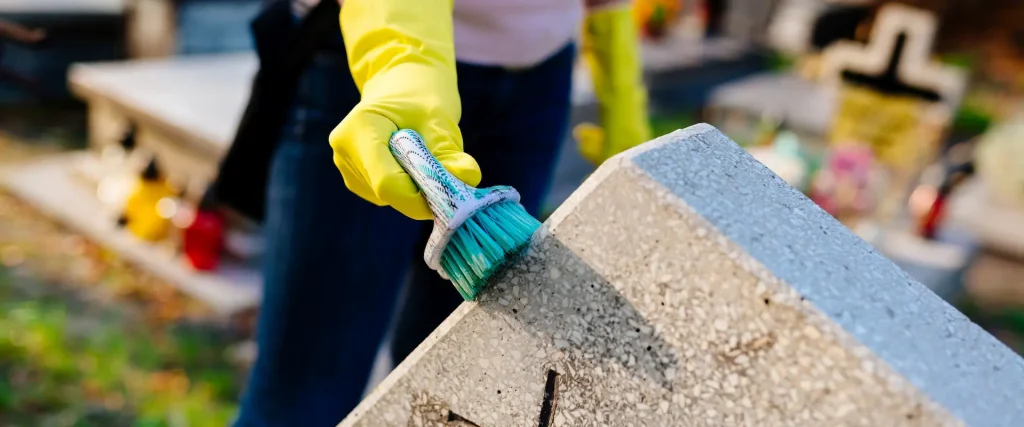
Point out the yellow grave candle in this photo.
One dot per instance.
(147, 211)
(891, 125)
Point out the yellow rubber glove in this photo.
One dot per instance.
(611, 48)
(402, 57)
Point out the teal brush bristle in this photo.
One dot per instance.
(486, 243)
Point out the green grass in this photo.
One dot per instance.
(961, 60)
(972, 119)
(662, 124)
(780, 62)
(66, 362)
(1009, 321)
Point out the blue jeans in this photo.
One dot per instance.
(335, 263)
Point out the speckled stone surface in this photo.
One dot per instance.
(685, 285)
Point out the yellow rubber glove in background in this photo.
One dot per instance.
(402, 57)
(611, 48)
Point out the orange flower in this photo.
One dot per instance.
(654, 17)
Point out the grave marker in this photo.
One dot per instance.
(915, 66)
(684, 284)
(893, 97)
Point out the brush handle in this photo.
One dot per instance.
(444, 192)
(451, 200)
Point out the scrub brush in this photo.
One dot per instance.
(477, 231)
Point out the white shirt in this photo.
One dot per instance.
(509, 33)
(514, 33)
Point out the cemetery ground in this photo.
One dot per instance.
(87, 340)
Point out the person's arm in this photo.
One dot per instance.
(611, 48)
(402, 57)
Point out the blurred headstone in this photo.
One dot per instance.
(893, 97)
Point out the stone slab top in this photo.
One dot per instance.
(949, 358)
(199, 99)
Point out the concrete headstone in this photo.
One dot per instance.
(684, 284)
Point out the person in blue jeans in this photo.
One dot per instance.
(335, 263)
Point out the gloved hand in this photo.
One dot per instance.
(611, 48)
(402, 57)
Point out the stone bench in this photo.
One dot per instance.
(684, 284)
(186, 109)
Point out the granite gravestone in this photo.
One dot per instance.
(684, 284)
